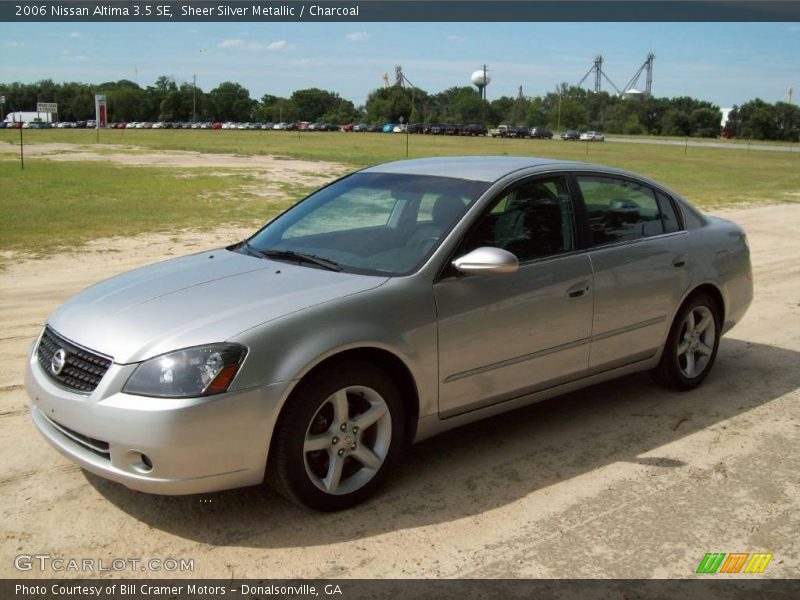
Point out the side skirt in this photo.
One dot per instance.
(433, 424)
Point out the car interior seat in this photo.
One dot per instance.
(446, 209)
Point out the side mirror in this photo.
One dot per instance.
(487, 260)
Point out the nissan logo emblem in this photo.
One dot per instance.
(58, 361)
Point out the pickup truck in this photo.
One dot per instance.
(508, 131)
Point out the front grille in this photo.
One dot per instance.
(83, 369)
(99, 447)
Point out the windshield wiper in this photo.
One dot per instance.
(250, 249)
(325, 263)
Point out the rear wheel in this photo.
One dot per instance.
(692, 345)
(337, 438)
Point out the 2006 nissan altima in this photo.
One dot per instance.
(391, 305)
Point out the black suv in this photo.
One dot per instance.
(474, 129)
(570, 135)
(541, 133)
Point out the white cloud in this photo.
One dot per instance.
(456, 39)
(232, 44)
(74, 34)
(14, 44)
(241, 44)
(69, 56)
(357, 36)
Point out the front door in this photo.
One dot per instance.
(504, 335)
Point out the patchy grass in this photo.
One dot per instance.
(710, 177)
(55, 205)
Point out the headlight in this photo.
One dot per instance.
(198, 371)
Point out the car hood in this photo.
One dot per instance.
(199, 299)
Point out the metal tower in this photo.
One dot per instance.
(599, 74)
(647, 66)
(648, 90)
(598, 70)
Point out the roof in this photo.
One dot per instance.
(476, 168)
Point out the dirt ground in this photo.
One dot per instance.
(271, 168)
(619, 480)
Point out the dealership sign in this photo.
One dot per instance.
(100, 110)
(47, 107)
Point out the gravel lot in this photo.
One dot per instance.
(618, 480)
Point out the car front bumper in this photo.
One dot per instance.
(157, 445)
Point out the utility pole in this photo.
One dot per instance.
(558, 125)
(194, 99)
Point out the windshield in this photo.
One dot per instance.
(373, 223)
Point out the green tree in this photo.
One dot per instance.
(126, 103)
(537, 113)
(230, 101)
(313, 103)
(675, 122)
(387, 105)
(705, 122)
(787, 121)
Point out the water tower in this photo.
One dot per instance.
(481, 79)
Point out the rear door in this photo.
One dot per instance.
(639, 259)
(505, 335)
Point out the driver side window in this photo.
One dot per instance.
(532, 220)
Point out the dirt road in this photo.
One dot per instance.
(619, 480)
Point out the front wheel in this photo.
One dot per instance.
(337, 438)
(691, 346)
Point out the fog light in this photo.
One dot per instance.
(139, 461)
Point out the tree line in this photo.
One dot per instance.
(567, 107)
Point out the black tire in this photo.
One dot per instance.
(671, 369)
(289, 465)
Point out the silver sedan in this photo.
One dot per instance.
(391, 305)
(592, 136)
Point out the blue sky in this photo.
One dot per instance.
(724, 63)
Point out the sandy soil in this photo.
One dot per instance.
(619, 480)
(276, 169)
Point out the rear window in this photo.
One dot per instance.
(668, 215)
(619, 210)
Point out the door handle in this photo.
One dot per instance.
(679, 261)
(578, 290)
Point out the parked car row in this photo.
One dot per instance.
(473, 129)
(521, 131)
(47, 125)
(587, 136)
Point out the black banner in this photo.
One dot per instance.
(404, 11)
(729, 587)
